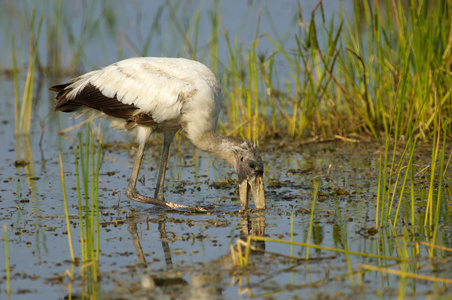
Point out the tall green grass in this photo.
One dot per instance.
(87, 164)
(382, 70)
(23, 110)
(416, 78)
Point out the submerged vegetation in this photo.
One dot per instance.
(381, 72)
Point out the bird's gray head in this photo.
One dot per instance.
(250, 169)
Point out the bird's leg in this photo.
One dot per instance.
(167, 140)
(132, 192)
(131, 188)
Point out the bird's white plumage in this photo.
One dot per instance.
(167, 88)
(164, 95)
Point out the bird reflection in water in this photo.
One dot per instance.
(207, 282)
(253, 225)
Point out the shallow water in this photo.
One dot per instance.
(95, 28)
(186, 254)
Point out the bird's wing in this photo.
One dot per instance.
(155, 88)
(91, 97)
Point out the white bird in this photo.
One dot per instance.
(149, 94)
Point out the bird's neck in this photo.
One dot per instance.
(217, 145)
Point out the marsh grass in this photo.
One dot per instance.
(63, 187)
(311, 218)
(380, 71)
(396, 183)
(23, 110)
(412, 56)
(87, 157)
(421, 99)
(368, 74)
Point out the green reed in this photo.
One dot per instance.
(399, 56)
(433, 216)
(87, 157)
(311, 219)
(66, 212)
(23, 110)
(396, 184)
(369, 74)
(397, 178)
(404, 50)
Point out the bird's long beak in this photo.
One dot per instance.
(256, 185)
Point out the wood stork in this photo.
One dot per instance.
(149, 94)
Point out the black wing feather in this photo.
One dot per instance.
(93, 98)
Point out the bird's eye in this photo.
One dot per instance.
(252, 165)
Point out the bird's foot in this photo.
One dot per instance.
(134, 195)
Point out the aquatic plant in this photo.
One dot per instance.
(87, 157)
(63, 186)
(90, 232)
(23, 110)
